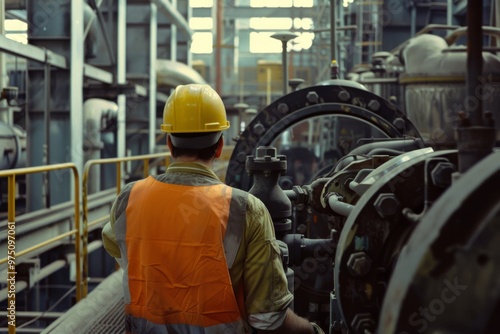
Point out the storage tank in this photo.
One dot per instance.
(435, 87)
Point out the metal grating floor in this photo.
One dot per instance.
(110, 321)
(101, 312)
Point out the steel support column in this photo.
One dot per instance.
(76, 81)
(153, 32)
(121, 76)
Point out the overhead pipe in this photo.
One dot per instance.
(167, 9)
(171, 73)
(92, 32)
(94, 6)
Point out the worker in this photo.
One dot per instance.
(198, 256)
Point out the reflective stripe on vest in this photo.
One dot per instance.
(177, 270)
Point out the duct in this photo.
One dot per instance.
(172, 73)
(12, 146)
(97, 113)
(167, 9)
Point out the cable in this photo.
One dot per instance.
(49, 309)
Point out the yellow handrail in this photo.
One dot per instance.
(10, 259)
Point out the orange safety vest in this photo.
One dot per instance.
(177, 275)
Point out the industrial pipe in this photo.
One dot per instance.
(342, 208)
(12, 146)
(171, 73)
(94, 112)
(49, 270)
(91, 31)
(475, 59)
(43, 273)
(476, 136)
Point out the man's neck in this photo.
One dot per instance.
(208, 163)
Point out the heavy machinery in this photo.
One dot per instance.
(386, 229)
(392, 236)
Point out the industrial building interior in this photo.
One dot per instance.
(386, 113)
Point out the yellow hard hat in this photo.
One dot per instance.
(194, 108)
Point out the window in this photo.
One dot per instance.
(202, 42)
(16, 30)
(262, 42)
(270, 23)
(346, 3)
(201, 3)
(201, 23)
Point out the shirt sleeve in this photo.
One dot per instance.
(109, 241)
(108, 232)
(265, 282)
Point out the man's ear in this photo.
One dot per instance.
(220, 146)
(170, 146)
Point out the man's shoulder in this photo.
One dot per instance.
(253, 203)
(121, 200)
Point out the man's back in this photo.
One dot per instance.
(170, 224)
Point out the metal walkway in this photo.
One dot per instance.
(102, 312)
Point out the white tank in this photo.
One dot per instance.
(435, 88)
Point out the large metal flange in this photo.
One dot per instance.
(331, 99)
(377, 229)
(447, 279)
